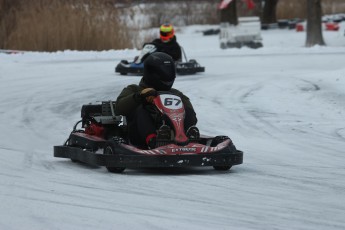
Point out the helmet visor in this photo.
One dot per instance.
(167, 34)
(168, 83)
(161, 84)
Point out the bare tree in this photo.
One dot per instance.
(314, 26)
(8, 21)
(229, 14)
(269, 12)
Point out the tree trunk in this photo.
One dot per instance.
(269, 12)
(229, 14)
(8, 20)
(314, 26)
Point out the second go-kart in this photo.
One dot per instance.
(136, 67)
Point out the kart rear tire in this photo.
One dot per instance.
(67, 144)
(222, 168)
(109, 149)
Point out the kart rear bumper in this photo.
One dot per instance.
(142, 160)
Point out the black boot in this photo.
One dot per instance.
(193, 133)
(152, 143)
(164, 135)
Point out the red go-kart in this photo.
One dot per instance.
(103, 141)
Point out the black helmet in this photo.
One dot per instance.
(159, 71)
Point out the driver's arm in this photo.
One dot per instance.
(126, 102)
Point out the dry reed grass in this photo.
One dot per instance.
(51, 25)
(288, 9)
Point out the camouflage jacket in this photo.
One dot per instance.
(128, 101)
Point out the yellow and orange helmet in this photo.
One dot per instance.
(166, 32)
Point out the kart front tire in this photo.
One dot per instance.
(215, 142)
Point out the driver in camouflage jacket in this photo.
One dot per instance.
(135, 101)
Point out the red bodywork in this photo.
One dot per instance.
(332, 26)
(117, 155)
(173, 149)
(95, 130)
(172, 106)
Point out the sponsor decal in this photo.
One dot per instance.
(161, 151)
(183, 150)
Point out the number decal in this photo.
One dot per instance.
(171, 101)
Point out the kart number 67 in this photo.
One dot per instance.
(171, 101)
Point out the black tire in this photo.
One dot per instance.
(251, 45)
(215, 142)
(218, 139)
(255, 45)
(234, 45)
(109, 149)
(259, 45)
(67, 143)
(223, 45)
(222, 168)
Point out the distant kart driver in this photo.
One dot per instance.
(167, 42)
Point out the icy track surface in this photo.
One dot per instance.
(283, 105)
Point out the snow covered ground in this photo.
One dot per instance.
(283, 105)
